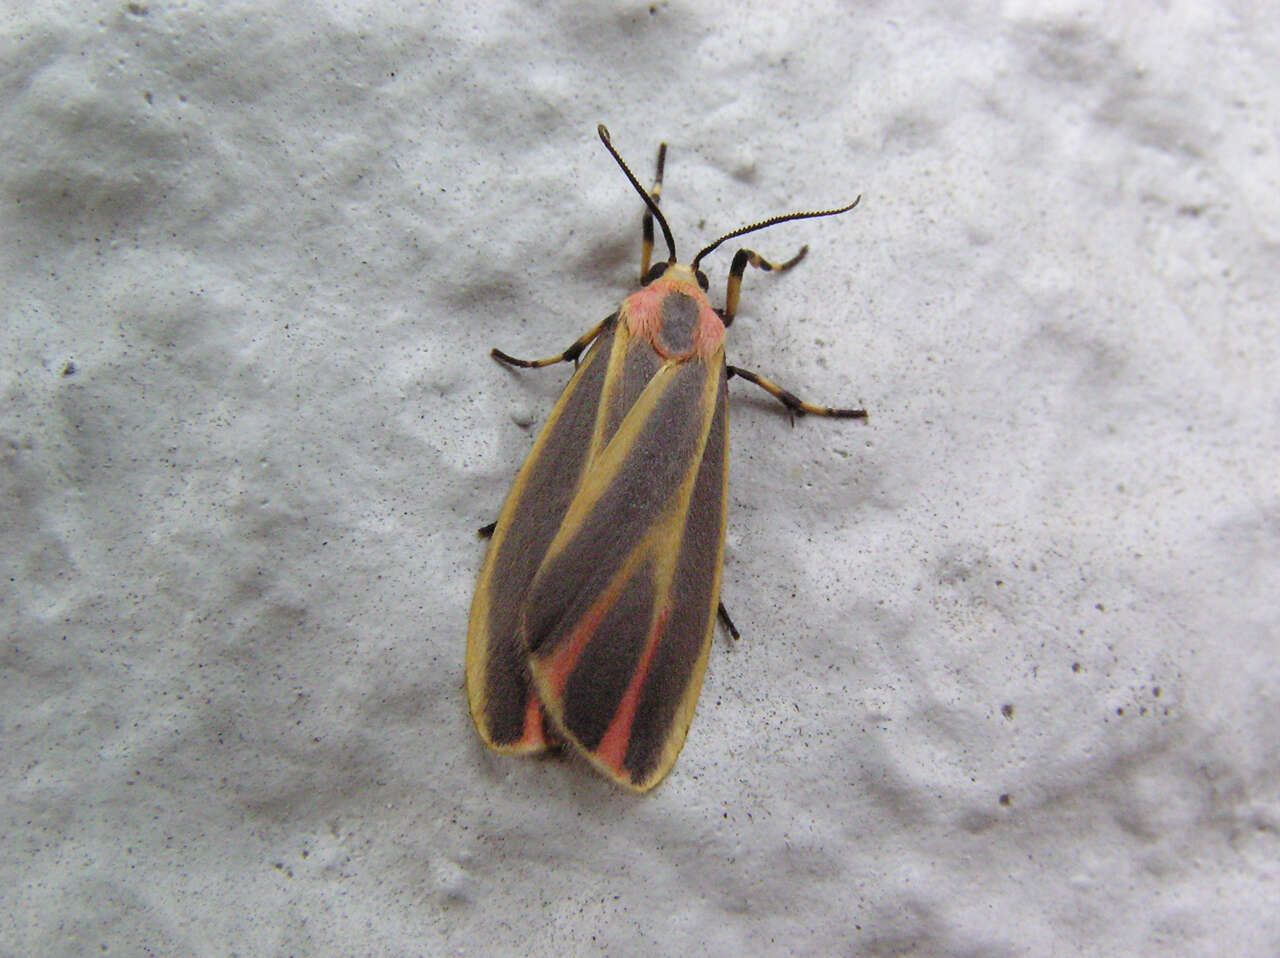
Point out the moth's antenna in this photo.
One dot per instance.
(772, 221)
(648, 200)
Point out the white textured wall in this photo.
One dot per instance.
(252, 259)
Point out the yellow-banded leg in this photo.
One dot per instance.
(646, 245)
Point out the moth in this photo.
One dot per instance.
(599, 594)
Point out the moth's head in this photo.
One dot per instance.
(676, 273)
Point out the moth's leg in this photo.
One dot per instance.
(739, 266)
(723, 613)
(795, 405)
(646, 245)
(569, 355)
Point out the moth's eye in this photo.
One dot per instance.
(655, 273)
(702, 280)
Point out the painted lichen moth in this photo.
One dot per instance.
(598, 597)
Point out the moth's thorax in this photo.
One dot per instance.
(673, 315)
